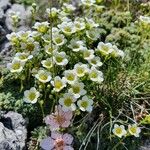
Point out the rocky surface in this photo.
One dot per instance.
(13, 132)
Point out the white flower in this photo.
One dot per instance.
(77, 89)
(119, 130)
(41, 27)
(88, 2)
(15, 66)
(23, 57)
(70, 76)
(104, 49)
(76, 45)
(134, 130)
(31, 45)
(145, 19)
(53, 12)
(58, 83)
(81, 69)
(85, 104)
(96, 75)
(43, 76)
(96, 62)
(49, 50)
(68, 102)
(79, 25)
(93, 34)
(88, 54)
(13, 38)
(48, 63)
(117, 52)
(31, 96)
(60, 58)
(59, 39)
(67, 28)
(90, 23)
(68, 8)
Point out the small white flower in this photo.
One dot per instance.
(117, 52)
(23, 57)
(104, 49)
(88, 2)
(79, 25)
(13, 38)
(58, 83)
(81, 69)
(77, 89)
(76, 45)
(59, 39)
(60, 58)
(43, 76)
(93, 34)
(15, 66)
(90, 23)
(41, 27)
(49, 50)
(67, 28)
(68, 8)
(53, 12)
(96, 62)
(68, 102)
(119, 130)
(31, 96)
(85, 104)
(48, 63)
(70, 76)
(88, 54)
(145, 19)
(31, 45)
(96, 75)
(134, 130)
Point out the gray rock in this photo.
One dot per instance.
(2, 33)
(146, 145)
(13, 132)
(4, 4)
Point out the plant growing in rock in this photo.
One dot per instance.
(70, 66)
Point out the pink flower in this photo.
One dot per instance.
(58, 119)
(57, 141)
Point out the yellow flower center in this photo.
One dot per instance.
(71, 77)
(30, 46)
(58, 40)
(50, 50)
(43, 76)
(86, 54)
(80, 70)
(22, 57)
(59, 59)
(58, 84)
(32, 96)
(76, 89)
(133, 129)
(84, 104)
(16, 66)
(105, 48)
(67, 29)
(93, 75)
(42, 29)
(48, 63)
(68, 102)
(76, 46)
(118, 130)
(93, 61)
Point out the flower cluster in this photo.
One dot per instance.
(132, 130)
(62, 56)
